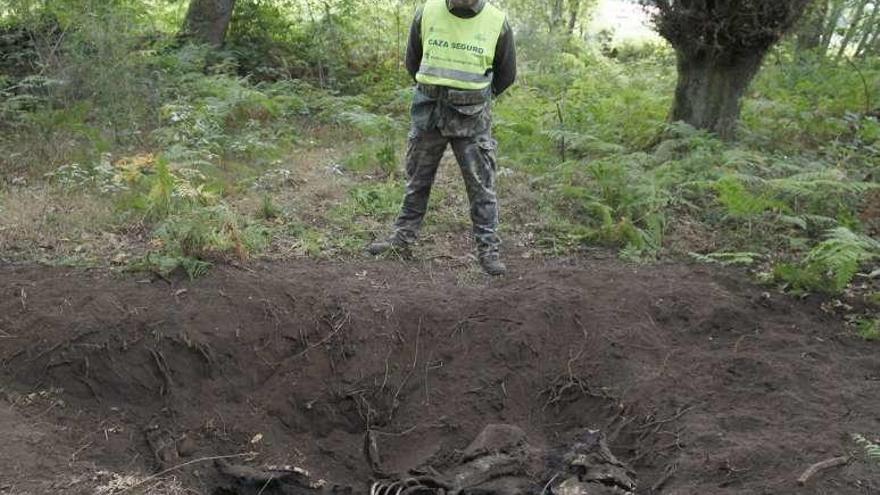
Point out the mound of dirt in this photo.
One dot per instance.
(699, 381)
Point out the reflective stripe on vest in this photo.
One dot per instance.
(456, 52)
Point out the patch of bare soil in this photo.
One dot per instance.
(699, 382)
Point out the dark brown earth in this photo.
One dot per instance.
(695, 375)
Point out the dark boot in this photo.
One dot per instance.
(492, 264)
(391, 245)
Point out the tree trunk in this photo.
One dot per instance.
(868, 31)
(709, 91)
(852, 29)
(873, 46)
(574, 10)
(556, 16)
(831, 24)
(208, 20)
(809, 36)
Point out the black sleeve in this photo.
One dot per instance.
(504, 66)
(414, 46)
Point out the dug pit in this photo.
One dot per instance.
(321, 378)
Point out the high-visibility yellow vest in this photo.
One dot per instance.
(456, 52)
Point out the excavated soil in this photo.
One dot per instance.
(702, 382)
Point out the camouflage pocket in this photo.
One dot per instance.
(488, 149)
(472, 97)
(410, 163)
(422, 111)
(466, 120)
(470, 110)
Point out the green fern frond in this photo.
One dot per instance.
(821, 182)
(367, 122)
(840, 255)
(820, 220)
(684, 130)
(795, 221)
(751, 180)
(740, 201)
(869, 329)
(583, 144)
(806, 221)
(160, 199)
(872, 450)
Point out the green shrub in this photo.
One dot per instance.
(205, 234)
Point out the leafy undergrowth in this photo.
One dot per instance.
(203, 165)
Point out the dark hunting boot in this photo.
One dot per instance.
(492, 264)
(392, 244)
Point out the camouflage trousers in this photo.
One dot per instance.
(437, 125)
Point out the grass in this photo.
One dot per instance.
(46, 222)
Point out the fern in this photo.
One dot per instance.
(841, 254)
(160, 199)
(743, 159)
(369, 123)
(822, 183)
(872, 449)
(209, 232)
(869, 329)
(832, 264)
(740, 202)
(583, 144)
(805, 221)
(195, 194)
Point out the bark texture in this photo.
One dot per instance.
(869, 31)
(831, 23)
(208, 20)
(709, 91)
(853, 28)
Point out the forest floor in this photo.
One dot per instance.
(703, 382)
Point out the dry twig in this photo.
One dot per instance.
(659, 422)
(415, 363)
(667, 475)
(821, 466)
(181, 466)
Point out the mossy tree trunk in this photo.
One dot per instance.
(720, 45)
(709, 91)
(208, 20)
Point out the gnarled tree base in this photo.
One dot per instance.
(709, 91)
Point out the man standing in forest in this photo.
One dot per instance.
(461, 53)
